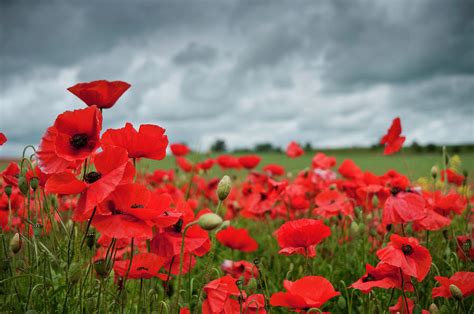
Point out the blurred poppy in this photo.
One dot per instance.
(321, 161)
(392, 140)
(3, 139)
(301, 236)
(294, 150)
(228, 162)
(348, 169)
(249, 161)
(239, 269)
(184, 164)
(464, 280)
(403, 207)
(402, 305)
(274, 170)
(206, 164)
(11, 174)
(179, 149)
(452, 176)
(237, 239)
(102, 93)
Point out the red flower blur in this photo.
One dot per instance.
(237, 239)
(274, 170)
(149, 142)
(304, 293)
(403, 207)
(453, 177)
(392, 140)
(239, 269)
(382, 276)
(464, 280)
(406, 253)
(144, 265)
(301, 236)
(294, 150)
(179, 149)
(228, 162)
(401, 307)
(321, 161)
(249, 161)
(102, 93)
(3, 139)
(73, 137)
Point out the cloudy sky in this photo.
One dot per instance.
(333, 73)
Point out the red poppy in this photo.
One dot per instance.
(249, 161)
(382, 276)
(446, 204)
(321, 161)
(305, 293)
(453, 177)
(184, 164)
(301, 236)
(3, 139)
(132, 211)
(294, 150)
(11, 209)
(296, 197)
(237, 239)
(392, 140)
(465, 250)
(331, 203)
(464, 280)
(348, 169)
(403, 207)
(73, 137)
(206, 164)
(102, 93)
(239, 269)
(228, 162)
(179, 150)
(401, 307)
(274, 170)
(431, 221)
(111, 169)
(144, 265)
(149, 142)
(406, 253)
(10, 174)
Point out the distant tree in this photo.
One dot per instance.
(308, 147)
(218, 146)
(431, 148)
(264, 147)
(416, 147)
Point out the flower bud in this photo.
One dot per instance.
(434, 172)
(434, 309)
(354, 229)
(209, 221)
(223, 188)
(15, 243)
(23, 185)
(34, 183)
(100, 267)
(8, 190)
(341, 302)
(90, 239)
(455, 292)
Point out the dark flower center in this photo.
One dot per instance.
(395, 191)
(92, 176)
(407, 249)
(78, 141)
(137, 206)
(142, 268)
(263, 196)
(367, 278)
(178, 226)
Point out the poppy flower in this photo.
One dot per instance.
(321, 161)
(446, 204)
(11, 174)
(274, 170)
(11, 209)
(237, 239)
(401, 307)
(431, 221)
(452, 176)
(73, 137)
(294, 150)
(112, 167)
(403, 207)
(331, 203)
(296, 197)
(184, 164)
(161, 175)
(132, 211)
(382, 276)
(228, 162)
(348, 169)
(301, 236)
(219, 294)
(406, 253)
(239, 269)
(206, 164)
(179, 150)
(464, 280)
(102, 93)
(3, 139)
(305, 293)
(249, 161)
(144, 265)
(465, 250)
(149, 142)
(392, 140)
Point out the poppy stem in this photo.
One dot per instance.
(129, 265)
(403, 230)
(190, 183)
(88, 226)
(403, 292)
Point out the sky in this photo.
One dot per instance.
(332, 73)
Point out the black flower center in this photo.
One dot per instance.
(137, 206)
(78, 141)
(407, 249)
(395, 191)
(178, 226)
(368, 278)
(92, 176)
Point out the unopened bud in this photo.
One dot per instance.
(434, 172)
(341, 302)
(15, 243)
(23, 185)
(34, 183)
(455, 292)
(209, 221)
(223, 188)
(434, 309)
(354, 229)
(90, 240)
(100, 267)
(8, 190)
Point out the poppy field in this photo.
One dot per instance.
(99, 221)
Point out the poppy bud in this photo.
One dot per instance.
(8, 190)
(74, 273)
(209, 221)
(101, 268)
(361, 228)
(434, 172)
(341, 302)
(90, 240)
(37, 228)
(34, 183)
(23, 185)
(354, 229)
(434, 309)
(444, 309)
(15, 243)
(223, 188)
(455, 292)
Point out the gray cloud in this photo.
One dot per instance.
(333, 73)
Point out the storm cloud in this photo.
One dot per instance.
(333, 73)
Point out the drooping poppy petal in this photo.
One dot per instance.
(392, 140)
(464, 280)
(102, 93)
(144, 265)
(402, 208)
